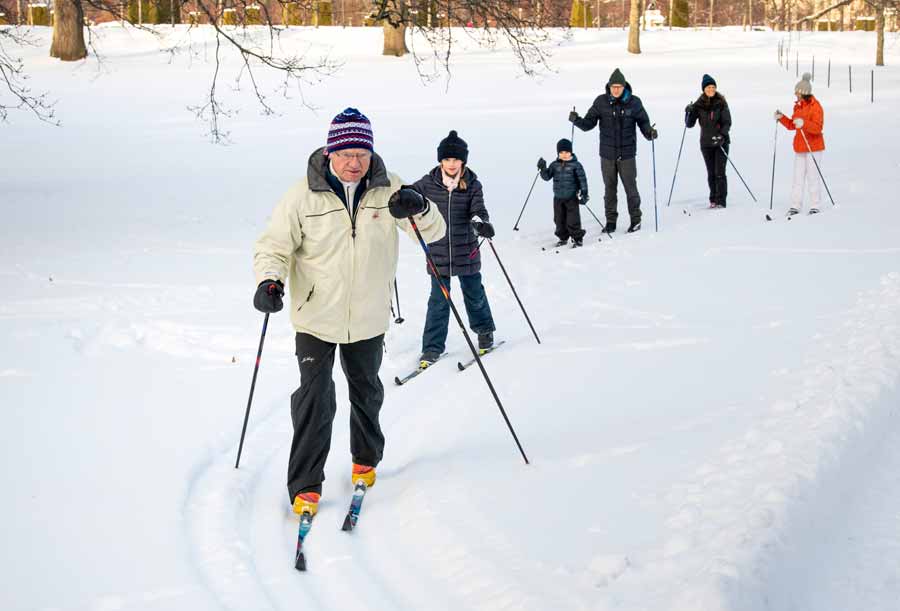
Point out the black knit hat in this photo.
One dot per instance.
(564, 145)
(707, 80)
(453, 147)
(617, 78)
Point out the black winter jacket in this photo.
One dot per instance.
(714, 118)
(617, 118)
(453, 254)
(568, 178)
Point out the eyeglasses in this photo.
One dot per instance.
(345, 156)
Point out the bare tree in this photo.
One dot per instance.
(634, 30)
(879, 7)
(17, 95)
(485, 21)
(68, 31)
(257, 50)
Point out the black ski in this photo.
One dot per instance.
(401, 381)
(463, 366)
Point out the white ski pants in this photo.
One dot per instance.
(806, 178)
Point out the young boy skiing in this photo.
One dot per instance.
(809, 144)
(570, 189)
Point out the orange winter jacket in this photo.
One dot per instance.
(813, 121)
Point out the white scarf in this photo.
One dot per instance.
(450, 182)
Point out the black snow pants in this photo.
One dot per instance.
(313, 407)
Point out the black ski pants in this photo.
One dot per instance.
(613, 170)
(715, 173)
(567, 218)
(313, 408)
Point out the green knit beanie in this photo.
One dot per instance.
(617, 78)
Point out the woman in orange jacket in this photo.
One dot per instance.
(808, 120)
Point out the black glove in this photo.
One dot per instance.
(573, 116)
(406, 202)
(542, 165)
(483, 229)
(689, 108)
(717, 140)
(268, 296)
(653, 133)
(583, 199)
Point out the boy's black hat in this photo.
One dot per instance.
(564, 145)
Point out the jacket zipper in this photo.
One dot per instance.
(352, 258)
(308, 297)
(450, 230)
(352, 214)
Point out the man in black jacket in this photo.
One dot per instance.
(711, 110)
(456, 191)
(618, 114)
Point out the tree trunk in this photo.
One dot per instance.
(712, 6)
(879, 29)
(68, 31)
(394, 40)
(750, 15)
(634, 30)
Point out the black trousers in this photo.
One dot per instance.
(313, 407)
(567, 218)
(613, 170)
(715, 173)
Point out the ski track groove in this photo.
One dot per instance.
(479, 581)
(217, 497)
(733, 539)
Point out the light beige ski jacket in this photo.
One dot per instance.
(339, 268)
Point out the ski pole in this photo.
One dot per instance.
(399, 319)
(516, 227)
(573, 130)
(515, 294)
(462, 327)
(680, 147)
(722, 148)
(476, 249)
(262, 339)
(774, 151)
(653, 155)
(818, 169)
(602, 226)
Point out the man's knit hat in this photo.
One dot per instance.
(453, 147)
(804, 86)
(350, 130)
(564, 145)
(617, 78)
(707, 80)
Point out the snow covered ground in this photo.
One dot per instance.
(711, 416)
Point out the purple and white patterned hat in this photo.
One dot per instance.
(350, 130)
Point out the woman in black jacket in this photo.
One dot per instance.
(456, 191)
(711, 110)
